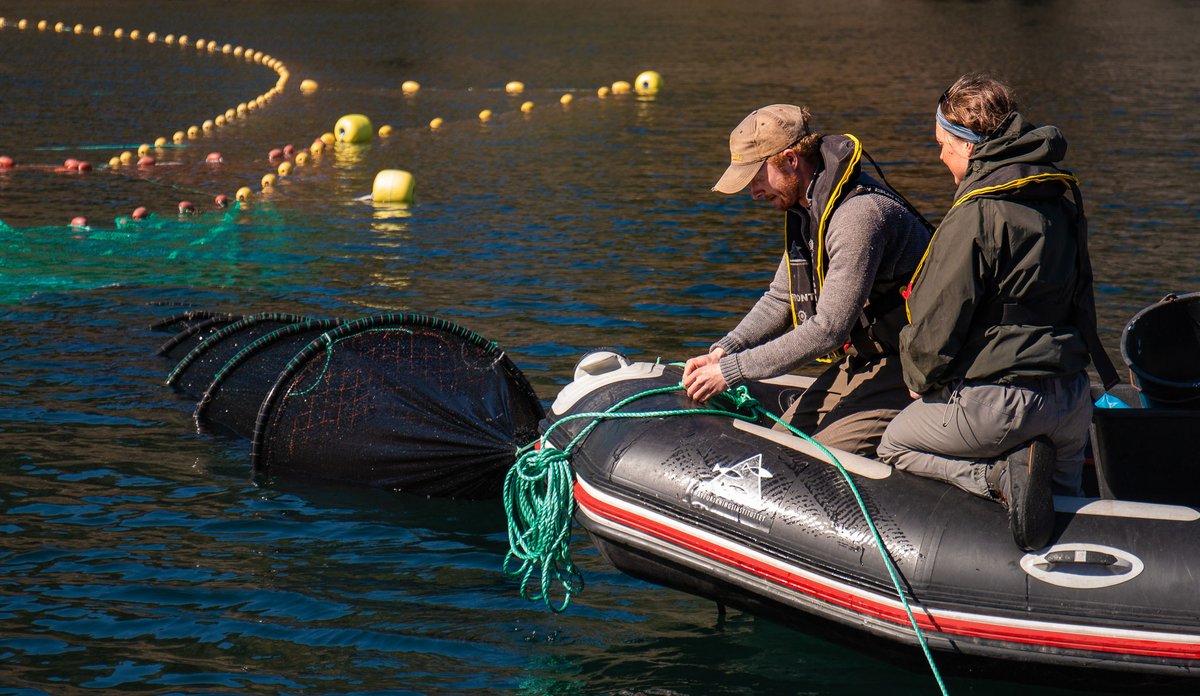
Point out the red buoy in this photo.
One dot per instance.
(146, 162)
(6, 162)
(140, 212)
(222, 201)
(275, 154)
(79, 221)
(288, 150)
(186, 208)
(71, 164)
(84, 166)
(214, 158)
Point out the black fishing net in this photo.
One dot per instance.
(195, 371)
(408, 402)
(233, 396)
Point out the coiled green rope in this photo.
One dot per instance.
(540, 507)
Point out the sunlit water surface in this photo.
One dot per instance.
(137, 556)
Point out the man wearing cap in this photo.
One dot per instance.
(851, 245)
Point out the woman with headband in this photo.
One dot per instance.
(1002, 318)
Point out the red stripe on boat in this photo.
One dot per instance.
(870, 607)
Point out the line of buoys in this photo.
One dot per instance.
(391, 186)
(208, 125)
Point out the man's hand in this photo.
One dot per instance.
(702, 376)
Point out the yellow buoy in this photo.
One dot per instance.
(59, 26)
(219, 121)
(393, 186)
(308, 86)
(301, 158)
(385, 131)
(317, 146)
(285, 168)
(178, 137)
(96, 30)
(117, 33)
(183, 39)
(353, 128)
(227, 48)
(143, 150)
(200, 43)
(602, 92)
(193, 132)
(410, 86)
(126, 157)
(208, 125)
(649, 82)
(169, 39)
(134, 34)
(22, 24)
(212, 46)
(514, 87)
(621, 87)
(241, 108)
(237, 51)
(485, 115)
(436, 122)
(329, 139)
(268, 181)
(160, 141)
(114, 162)
(230, 114)
(42, 25)
(78, 28)
(151, 37)
(566, 99)
(243, 194)
(526, 107)
(258, 56)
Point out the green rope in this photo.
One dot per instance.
(539, 504)
(540, 507)
(888, 563)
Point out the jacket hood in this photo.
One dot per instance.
(1016, 141)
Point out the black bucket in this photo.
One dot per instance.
(1161, 346)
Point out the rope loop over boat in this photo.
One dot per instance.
(540, 506)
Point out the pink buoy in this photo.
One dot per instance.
(214, 158)
(6, 162)
(288, 150)
(186, 208)
(221, 201)
(275, 154)
(79, 221)
(84, 166)
(71, 164)
(140, 213)
(146, 162)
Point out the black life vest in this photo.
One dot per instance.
(877, 331)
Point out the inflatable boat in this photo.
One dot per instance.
(765, 521)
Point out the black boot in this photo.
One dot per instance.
(1021, 481)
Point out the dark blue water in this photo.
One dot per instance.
(138, 557)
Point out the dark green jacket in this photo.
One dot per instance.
(997, 295)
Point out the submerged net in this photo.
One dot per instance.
(402, 401)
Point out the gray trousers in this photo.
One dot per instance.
(956, 435)
(851, 403)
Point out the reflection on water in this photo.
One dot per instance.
(136, 555)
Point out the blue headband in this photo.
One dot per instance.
(956, 130)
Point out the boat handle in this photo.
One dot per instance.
(1080, 556)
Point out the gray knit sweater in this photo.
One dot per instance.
(869, 236)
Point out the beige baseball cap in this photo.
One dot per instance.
(765, 132)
